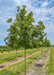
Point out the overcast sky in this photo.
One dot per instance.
(42, 10)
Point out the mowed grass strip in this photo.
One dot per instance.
(11, 56)
(18, 68)
(50, 70)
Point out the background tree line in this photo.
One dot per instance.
(23, 32)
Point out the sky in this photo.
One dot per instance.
(42, 10)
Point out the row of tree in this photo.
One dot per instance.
(23, 32)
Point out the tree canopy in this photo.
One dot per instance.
(23, 32)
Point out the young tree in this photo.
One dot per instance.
(20, 30)
(38, 33)
(41, 28)
(35, 34)
(11, 39)
(47, 42)
(41, 33)
(25, 26)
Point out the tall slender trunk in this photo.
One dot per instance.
(41, 51)
(25, 61)
(16, 53)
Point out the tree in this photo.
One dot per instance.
(25, 26)
(53, 45)
(47, 42)
(41, 33)
(20, 30)
(11, 39)
(41, 28)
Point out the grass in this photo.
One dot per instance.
(5, 50)
(10, 56)
(18, 68)
(50, 70)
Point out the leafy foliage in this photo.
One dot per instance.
(23, 33)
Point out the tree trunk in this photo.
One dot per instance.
(25, 61)
(16, 53)
(41, 51)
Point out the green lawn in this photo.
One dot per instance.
(9, 56)
(50, 70)
(18, 68)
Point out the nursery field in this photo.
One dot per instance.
(19, 68)
(4, 57)
(26, 37)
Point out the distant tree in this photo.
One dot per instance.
(53, 45)
(34, 37)
(47, 42)
(41, 33)
(38, 33)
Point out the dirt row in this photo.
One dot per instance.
(4, 65)
(39, 66)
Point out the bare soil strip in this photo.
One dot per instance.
(39, 66)
(4, 65)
